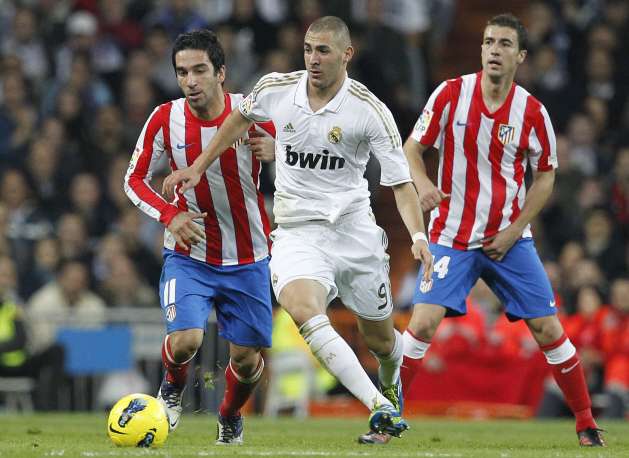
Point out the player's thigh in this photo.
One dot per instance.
(455, 273)
(362, 269)
(520, 281)
(186, 291)
(243, 304)
(297, 254)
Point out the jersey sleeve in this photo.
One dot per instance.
(385, 143)
(433, 117)
(542, 142)
(148, 151)
(255, 106)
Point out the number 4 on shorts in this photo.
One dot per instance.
(441, 267)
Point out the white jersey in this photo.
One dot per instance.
(321, 156)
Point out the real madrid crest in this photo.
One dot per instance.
(335, 135)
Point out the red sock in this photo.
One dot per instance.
(571, 379)
(176, 373)
(238, 390)
(408, 371)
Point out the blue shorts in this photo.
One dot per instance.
(519, 280)
(241, 295)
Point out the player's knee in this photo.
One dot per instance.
(185, 344)
(546, 330)
(424, 329)
(425, 321)
(379, 343)
(245, 362)
(301, 308)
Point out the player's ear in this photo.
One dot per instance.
(221, 74)
(521, 56)
(348, 54)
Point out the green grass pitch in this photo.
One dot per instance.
(83, 435)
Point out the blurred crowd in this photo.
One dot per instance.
(78, 79)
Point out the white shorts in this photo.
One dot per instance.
(347, 257)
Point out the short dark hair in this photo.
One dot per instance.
(204, 40)
(511, 21)
(333, 24)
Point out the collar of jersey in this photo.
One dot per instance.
(301, 95)
(210, 122)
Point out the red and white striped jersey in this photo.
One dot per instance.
(482, 158)
(236, 226)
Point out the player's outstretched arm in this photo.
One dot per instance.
(496, 247)
(409, 209)
(232, 129)
(429, 195)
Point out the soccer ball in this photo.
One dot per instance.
(137, 420)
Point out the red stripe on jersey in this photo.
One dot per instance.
(472, 182)
(448, 161)
(255, 174)
(498, 181)
(268, 127)
(237, 206)
(523, 146)
(214, 253)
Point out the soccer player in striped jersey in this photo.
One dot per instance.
(487, 130)
(216, 246)
(327, 243)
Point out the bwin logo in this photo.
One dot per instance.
(314, 161)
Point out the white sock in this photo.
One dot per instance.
(339, 359)
(413, 347)
(389, 370)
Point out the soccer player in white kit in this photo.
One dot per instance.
(327, 243)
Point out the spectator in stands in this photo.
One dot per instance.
(177, 16)
(73, 237)
(26, 221)
(86, 200)
(106, 139)
(15, 359)
(615, 330)
(620, 192)
(17, 120)
(43, 167)
(67, 300)
(601, 242)
(42, 269)
(26, 44)
(124, 286)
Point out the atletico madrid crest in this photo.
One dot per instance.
(171, 312)
(506, 133)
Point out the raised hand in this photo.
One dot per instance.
(185, 230)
